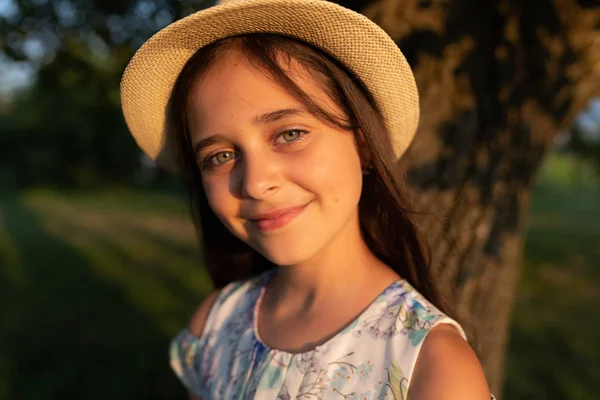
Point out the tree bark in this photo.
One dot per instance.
(497, 79)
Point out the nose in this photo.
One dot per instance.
(259, 176)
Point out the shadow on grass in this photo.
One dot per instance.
(168, 283)
(553, 348)
(66, 332)
(183, 251)
(551, 362)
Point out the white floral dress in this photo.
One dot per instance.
(372, 358)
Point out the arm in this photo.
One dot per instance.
(447, 369)
(198, 320)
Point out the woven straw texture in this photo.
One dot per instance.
(359, 44)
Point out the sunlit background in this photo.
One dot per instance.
(99, 265)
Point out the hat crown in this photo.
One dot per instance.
(220, 2)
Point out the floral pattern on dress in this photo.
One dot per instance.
(372, 358)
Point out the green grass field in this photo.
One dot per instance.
(94, 285)
(554, 350)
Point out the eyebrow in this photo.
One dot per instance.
(275, 115)
(265, 118)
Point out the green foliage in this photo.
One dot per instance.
(67, 128)
(588, 149)
(554, 345)
(68, 131)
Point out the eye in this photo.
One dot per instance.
(222, 157)
(291, 135)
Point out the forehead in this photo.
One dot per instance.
(234, 89)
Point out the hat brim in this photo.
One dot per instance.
(357, 42)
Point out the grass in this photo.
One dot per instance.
(92, 288)
(554, 349)
(93, 285)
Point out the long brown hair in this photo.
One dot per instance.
(384, 213)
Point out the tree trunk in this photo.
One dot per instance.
(497, 79)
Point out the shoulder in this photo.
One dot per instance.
(200, 315)
(447, 368)
(186, 349)
(229, 303)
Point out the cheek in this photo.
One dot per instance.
(333, 172)
(220, 200)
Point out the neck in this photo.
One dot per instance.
(342, 267)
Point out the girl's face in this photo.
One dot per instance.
(261, 152)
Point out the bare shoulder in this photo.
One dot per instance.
(201, 314)
(198, 320)
(447, 368)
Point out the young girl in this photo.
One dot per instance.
(285, 119)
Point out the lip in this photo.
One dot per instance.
(277, 218)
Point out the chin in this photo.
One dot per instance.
(286, 254)
(286, 257)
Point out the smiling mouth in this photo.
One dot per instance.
(280, 220)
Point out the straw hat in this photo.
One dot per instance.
(358, 43)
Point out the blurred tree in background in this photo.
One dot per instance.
(67, 129)
(498, 80)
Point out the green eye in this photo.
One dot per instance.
(290, 136)
(223, 157)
